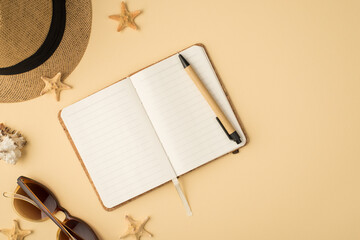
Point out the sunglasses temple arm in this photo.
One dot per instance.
(19, 197)
(57, 222)
(63, 228)
(26, 199)
(43, 208)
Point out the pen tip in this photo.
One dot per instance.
(183, 61)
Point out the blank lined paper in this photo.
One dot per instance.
(183, 120)
(117, 143)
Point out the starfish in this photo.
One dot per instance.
(16, 233)
(126, 18)
(136, 228)
(54, 84)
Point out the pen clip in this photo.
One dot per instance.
(222, 126)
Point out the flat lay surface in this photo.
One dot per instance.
(291, 69)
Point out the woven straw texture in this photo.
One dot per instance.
(24, 25)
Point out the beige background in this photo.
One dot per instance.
(292, 71)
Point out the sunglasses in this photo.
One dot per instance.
(34, 201)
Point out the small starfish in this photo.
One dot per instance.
(136, 228)
(126, 18)
(16, 233)
(54, 84)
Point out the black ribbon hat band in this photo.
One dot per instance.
(51, 43)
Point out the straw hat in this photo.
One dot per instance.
(39, 38)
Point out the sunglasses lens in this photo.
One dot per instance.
(80, 228)
(29, 211)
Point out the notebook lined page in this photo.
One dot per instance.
(117, 143)
(183, 120)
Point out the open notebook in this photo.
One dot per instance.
(149, 128)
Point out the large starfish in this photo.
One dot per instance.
(54, 84)
(136, 228)
(126, 18)
(16, 233)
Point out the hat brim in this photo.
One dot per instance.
(28, 85)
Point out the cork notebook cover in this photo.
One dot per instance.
(148, 128)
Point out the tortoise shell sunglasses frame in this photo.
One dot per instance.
(67, 232)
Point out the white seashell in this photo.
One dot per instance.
(10, 144)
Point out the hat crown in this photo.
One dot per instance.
(24, 25)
